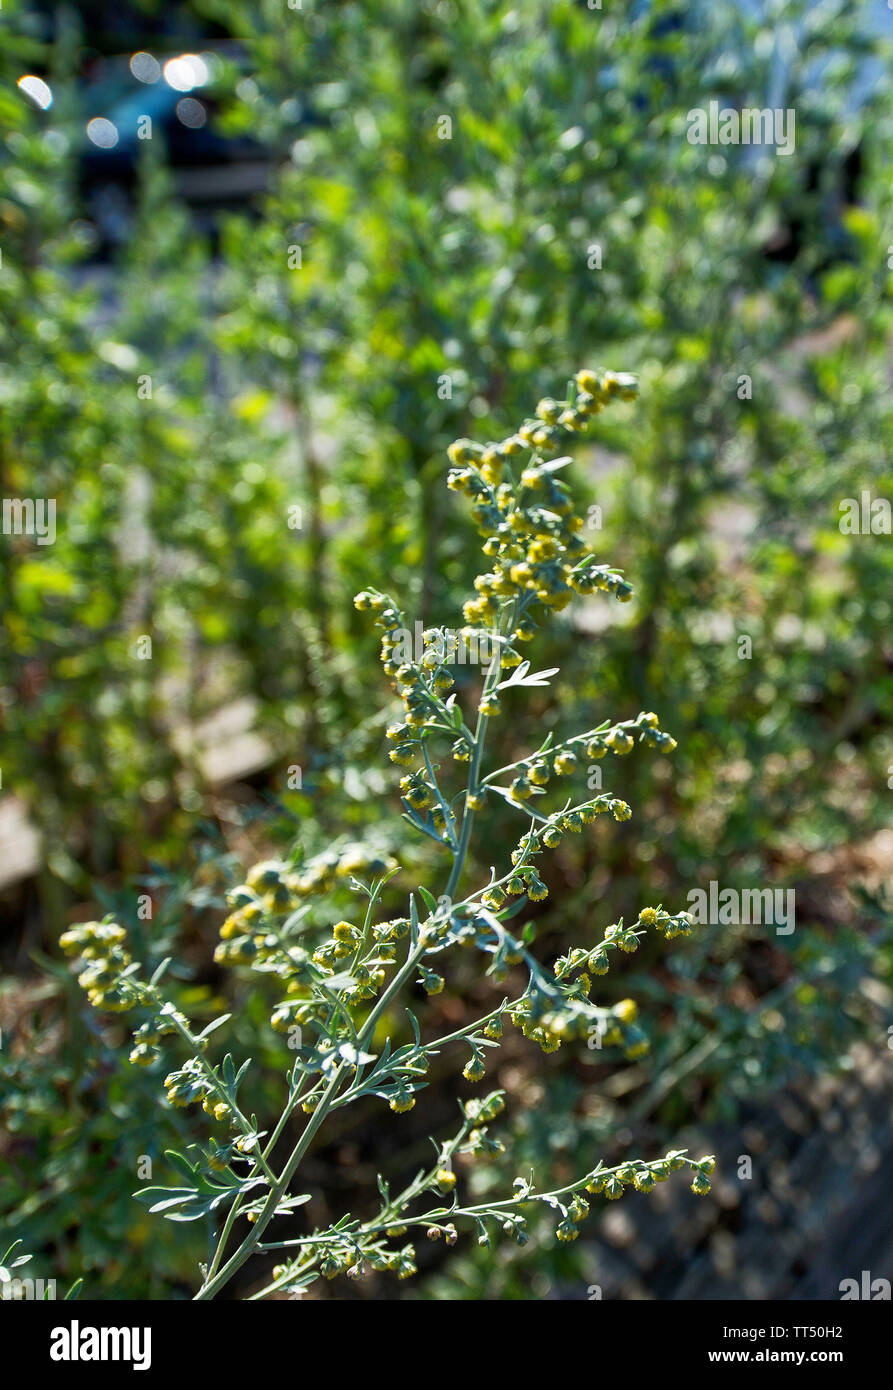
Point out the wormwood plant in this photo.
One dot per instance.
(340, 985)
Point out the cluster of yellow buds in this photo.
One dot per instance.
(387, 933)
(341, 945)
(577, 1211)
(399, 1262)
(255, 933)
(530, 529)
(191, 1084)
(101, 945)
(417, 791)
(643, 1176)
(614, 1026)
(553, 1012)
(335, 1262)
(538, 770)
(421, 684)
(480, 1142)
(545, 1030)
(279, 889)
(620, 1030)
(301, 1007)
(626, 939)
(146, 1038)
(110, 979)
(547, 836)
(669, 925)
(482, 1109)
(611, 1183)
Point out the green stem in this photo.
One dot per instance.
(391, 1214)
(279, 1188)
(480, 731)
(216, 1281)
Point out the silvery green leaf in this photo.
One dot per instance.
(293, 919)
(520, 677)
(289, 1203)
(352, 1054)
(343, 980)
(160, 970)
(414, 819)
(553, 465)
(214, 1024)
(157, 1198)
(428, 899)
(180, 1161)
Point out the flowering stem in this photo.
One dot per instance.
(490, 681)
(213, 1284)
(553, 748)
(445, 808)
(219, 1090)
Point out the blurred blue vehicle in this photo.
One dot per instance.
(177, 101)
